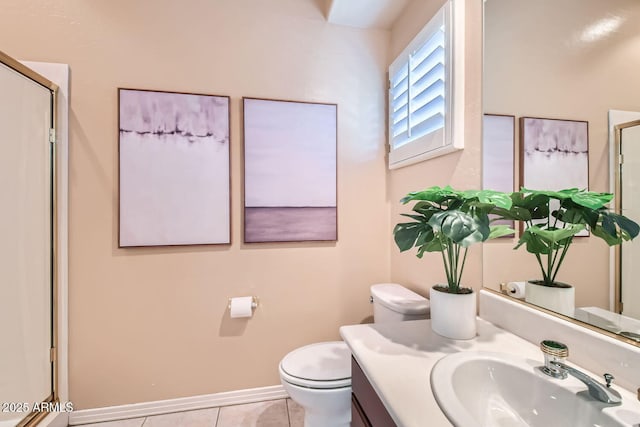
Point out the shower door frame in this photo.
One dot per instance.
(618, 162)
(34, 418)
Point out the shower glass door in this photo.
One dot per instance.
(630, 207)
(26, 247)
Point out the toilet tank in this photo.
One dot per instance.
(395, 303)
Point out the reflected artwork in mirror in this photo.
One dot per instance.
(568, 60)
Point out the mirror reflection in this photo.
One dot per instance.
(570, 60)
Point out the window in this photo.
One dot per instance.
(421, 84)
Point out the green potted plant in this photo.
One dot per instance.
(449, 221)
(551, 220)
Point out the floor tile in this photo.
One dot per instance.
(296, 414)
(132, 422)
(272, 413)
(197, 418)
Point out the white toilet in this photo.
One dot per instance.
(318, 376)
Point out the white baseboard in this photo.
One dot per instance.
(136, 410)
(56, 419)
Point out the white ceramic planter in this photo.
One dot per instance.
(453, 315)
(560, 300)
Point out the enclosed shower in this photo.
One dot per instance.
(27, 247)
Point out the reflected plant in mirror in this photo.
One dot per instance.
(549, 231)
(551, 220)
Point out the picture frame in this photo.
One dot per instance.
(174, 168)
(560, 148)
(290, 171)
(498, 156)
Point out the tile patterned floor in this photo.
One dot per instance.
(273, 413)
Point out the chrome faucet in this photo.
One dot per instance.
(554, 366)
(604, 393)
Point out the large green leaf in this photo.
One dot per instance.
(609, 239)
(500, 231)
(614, 228)
(431, 194)
(536, 204)
(591, 199)
(572, 215)
(624, 223)
(499, 199)
(535, 244)
(560, 195)
(405, 234)
(426, 209)
(423, 205)
(609, 226)
(557, 235)
(425, 236)
(490, 197)
(460, 227)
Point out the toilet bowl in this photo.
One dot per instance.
(318, 376)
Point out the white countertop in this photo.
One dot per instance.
(397, 358)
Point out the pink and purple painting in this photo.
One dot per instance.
(174, 168)
(290, 174)
(560, 146)
(554, 154)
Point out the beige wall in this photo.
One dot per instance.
(148, 324)
(554, 74)
(460, 169)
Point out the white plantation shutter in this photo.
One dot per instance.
(419, 93)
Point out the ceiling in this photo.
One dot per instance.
(379, 14)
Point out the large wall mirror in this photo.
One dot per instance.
(574, 60)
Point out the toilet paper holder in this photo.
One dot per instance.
(254, 302)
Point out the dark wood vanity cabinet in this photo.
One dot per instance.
(367, 410)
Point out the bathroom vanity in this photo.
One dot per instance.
(392, 365)
(396, 361)
(367, 410)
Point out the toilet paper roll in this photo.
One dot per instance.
(241, 307)
(516, 289)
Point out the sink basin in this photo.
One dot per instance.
(494, 389)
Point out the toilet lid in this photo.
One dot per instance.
(325, 361)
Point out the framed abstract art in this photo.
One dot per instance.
(174, 182)
(554, 154)
(290, 171)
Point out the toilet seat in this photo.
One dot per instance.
(324, 365)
